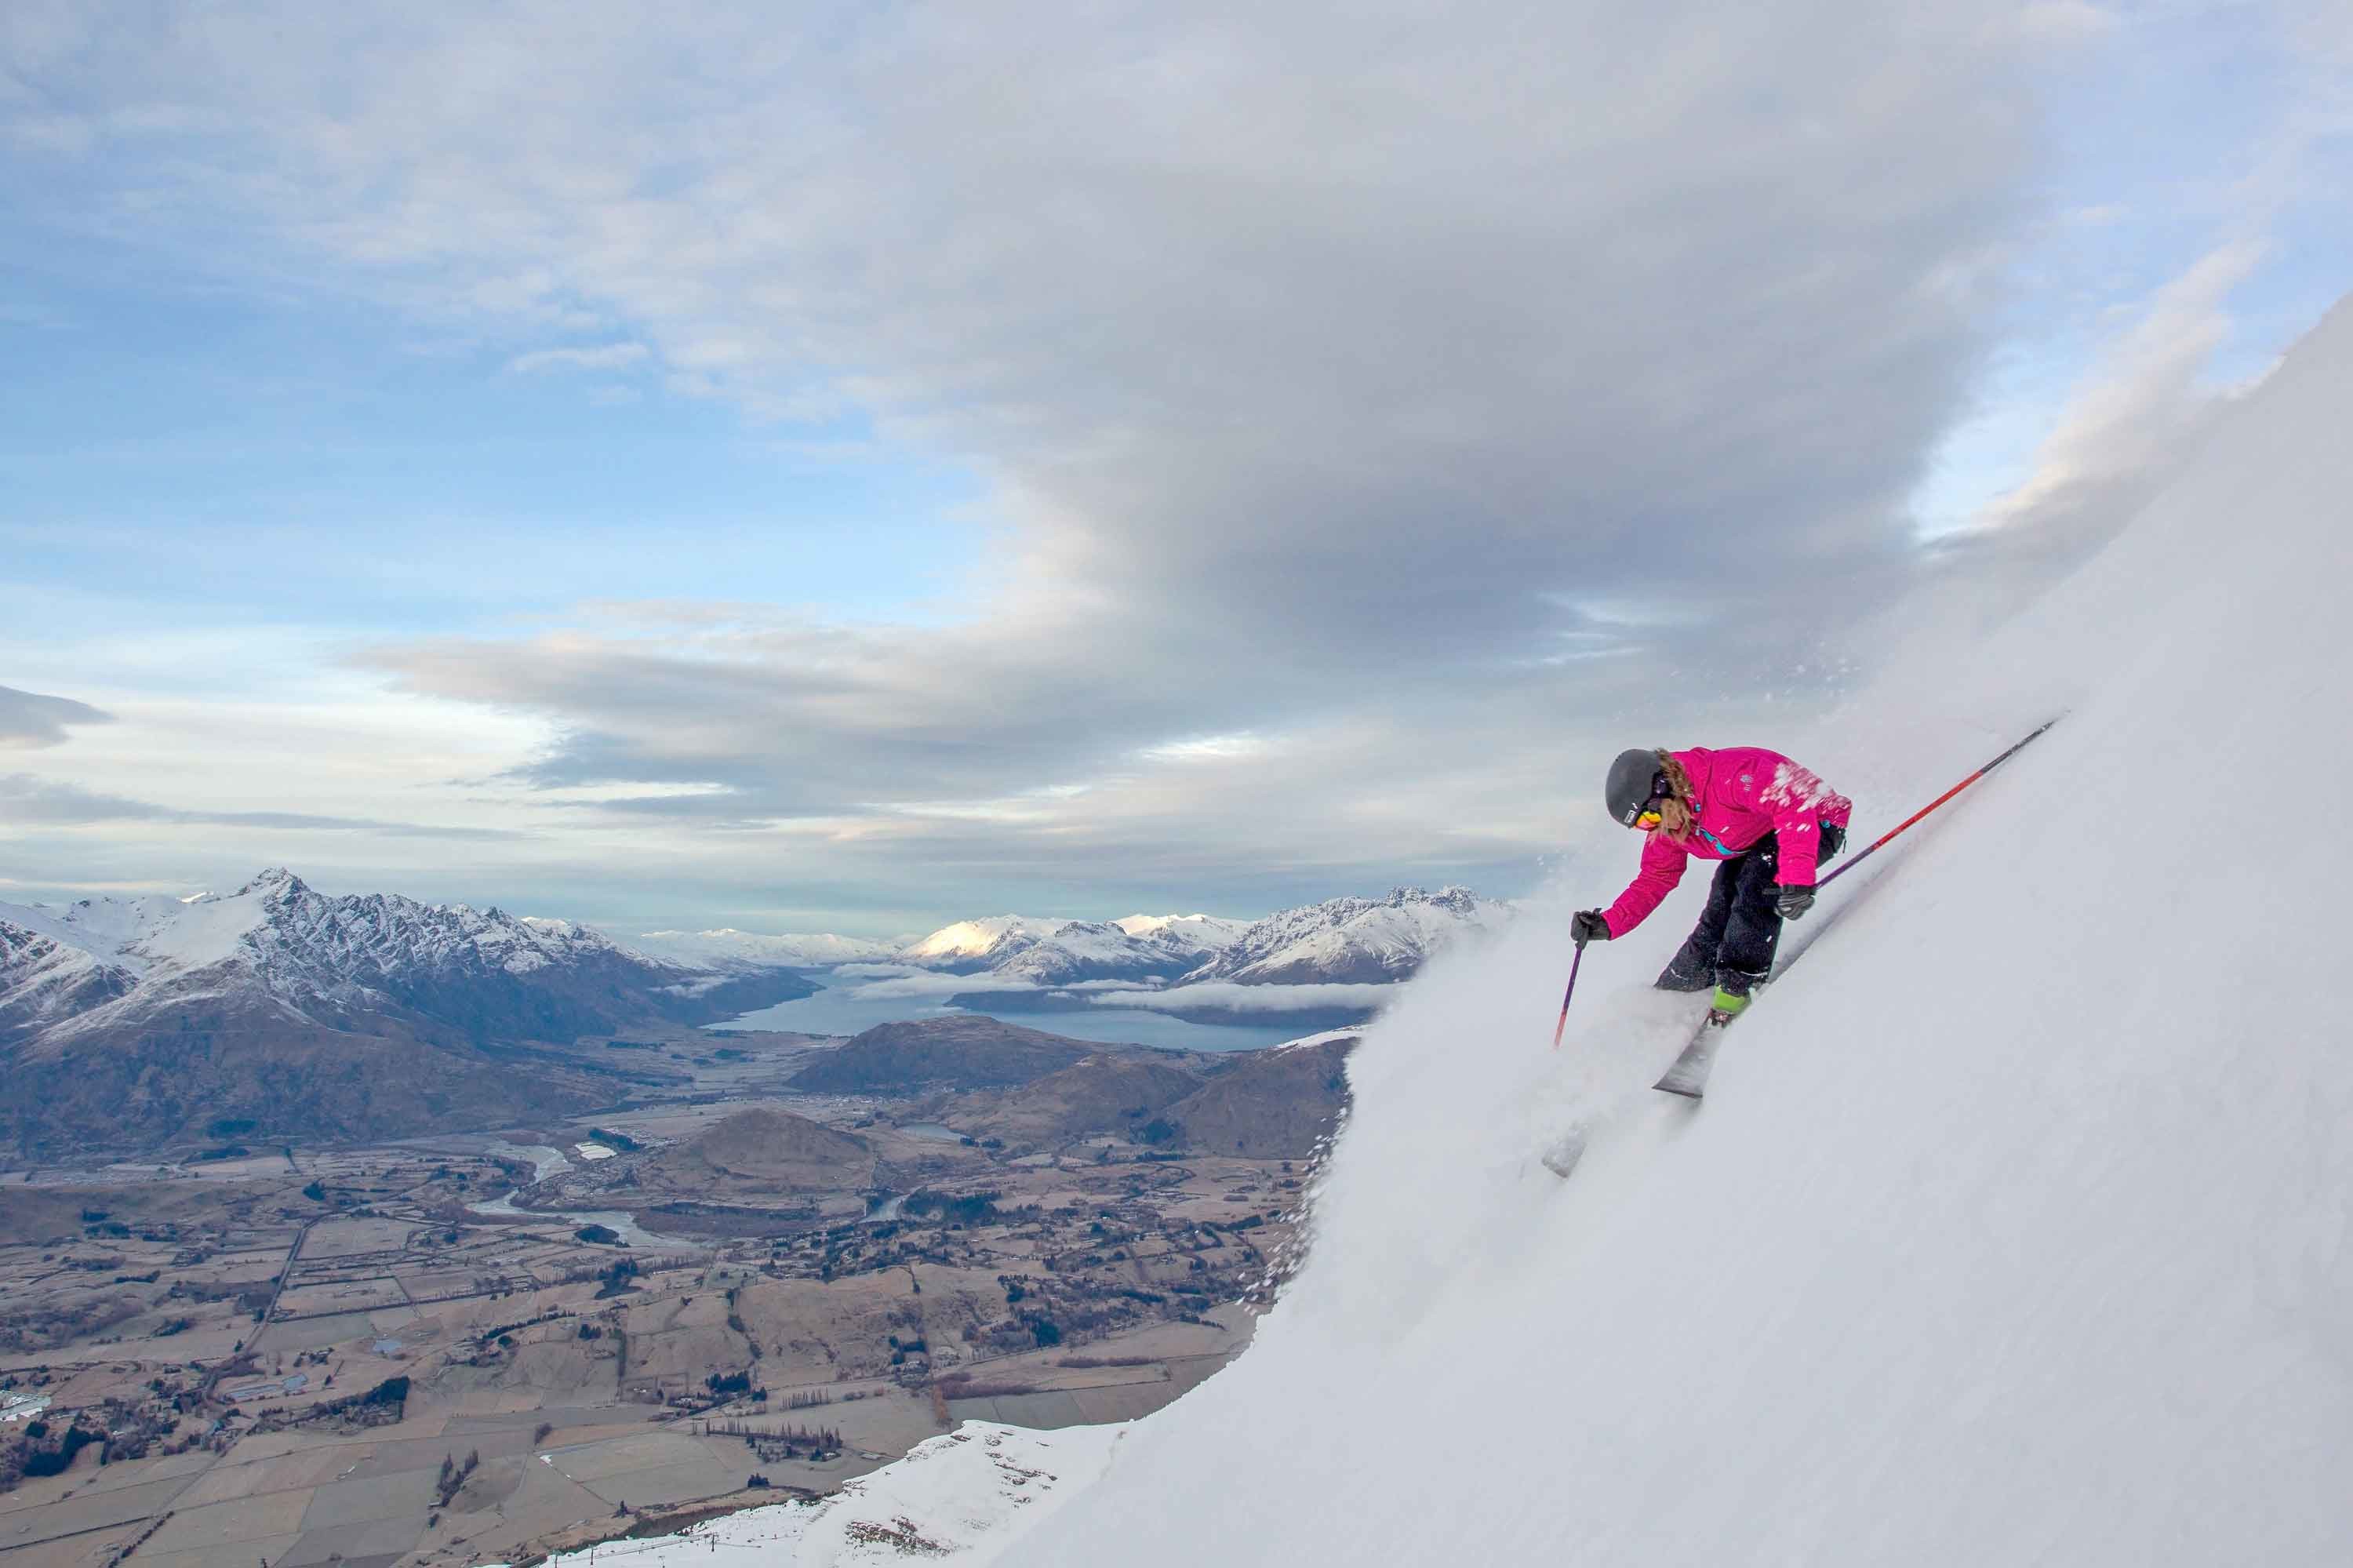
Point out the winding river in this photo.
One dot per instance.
(547, 1163)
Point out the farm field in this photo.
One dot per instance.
(475, 1347)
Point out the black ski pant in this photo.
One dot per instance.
(1732, 943)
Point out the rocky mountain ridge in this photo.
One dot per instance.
(271, 1008)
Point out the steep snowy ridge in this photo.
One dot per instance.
(2017, 1225)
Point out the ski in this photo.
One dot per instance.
(1688, 1076)
(1562, 1157)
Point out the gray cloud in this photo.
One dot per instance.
(1362, 386)
(25, 800)
(29, 719)
(1326, 377)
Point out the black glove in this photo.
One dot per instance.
(1795, 899)
(1833, 840)
(1588, 925)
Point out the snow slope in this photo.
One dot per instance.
(109, 930)
(2017, 1227)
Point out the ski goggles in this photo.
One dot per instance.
(1648, 817)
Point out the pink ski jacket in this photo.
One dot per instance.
(1743, 793)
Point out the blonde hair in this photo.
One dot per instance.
(1679, 811)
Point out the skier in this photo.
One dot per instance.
(1768, 821)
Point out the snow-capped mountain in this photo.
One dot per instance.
(1068, 952)
(100, 993)
(320, 959)
(1353, 940)
(1360, 940)
(729, 948)
(969, 947)
(1200, 936)
(1094, 950)
(1072, 951)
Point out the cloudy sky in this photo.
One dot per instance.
(856, 466)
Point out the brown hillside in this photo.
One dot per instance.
(966, 1051)
(1276, 1105)
(238, 1060)
(1100, 1094)
(759, 1151)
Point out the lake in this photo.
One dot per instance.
(834, 1009)
(936, 1132)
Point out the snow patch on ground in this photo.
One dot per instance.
(1309, 1042)
(972, 1494)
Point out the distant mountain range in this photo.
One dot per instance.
(1338, 941)
(277, 1013)
(1353, 940)
(726, 948)
(1022, 947)
(278, 1009)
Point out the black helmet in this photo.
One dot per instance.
(1635, 781)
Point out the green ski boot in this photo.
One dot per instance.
(1723, 1007)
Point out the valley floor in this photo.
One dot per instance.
(537, 1385)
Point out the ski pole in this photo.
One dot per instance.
(1880, 842)
(1566, 994)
